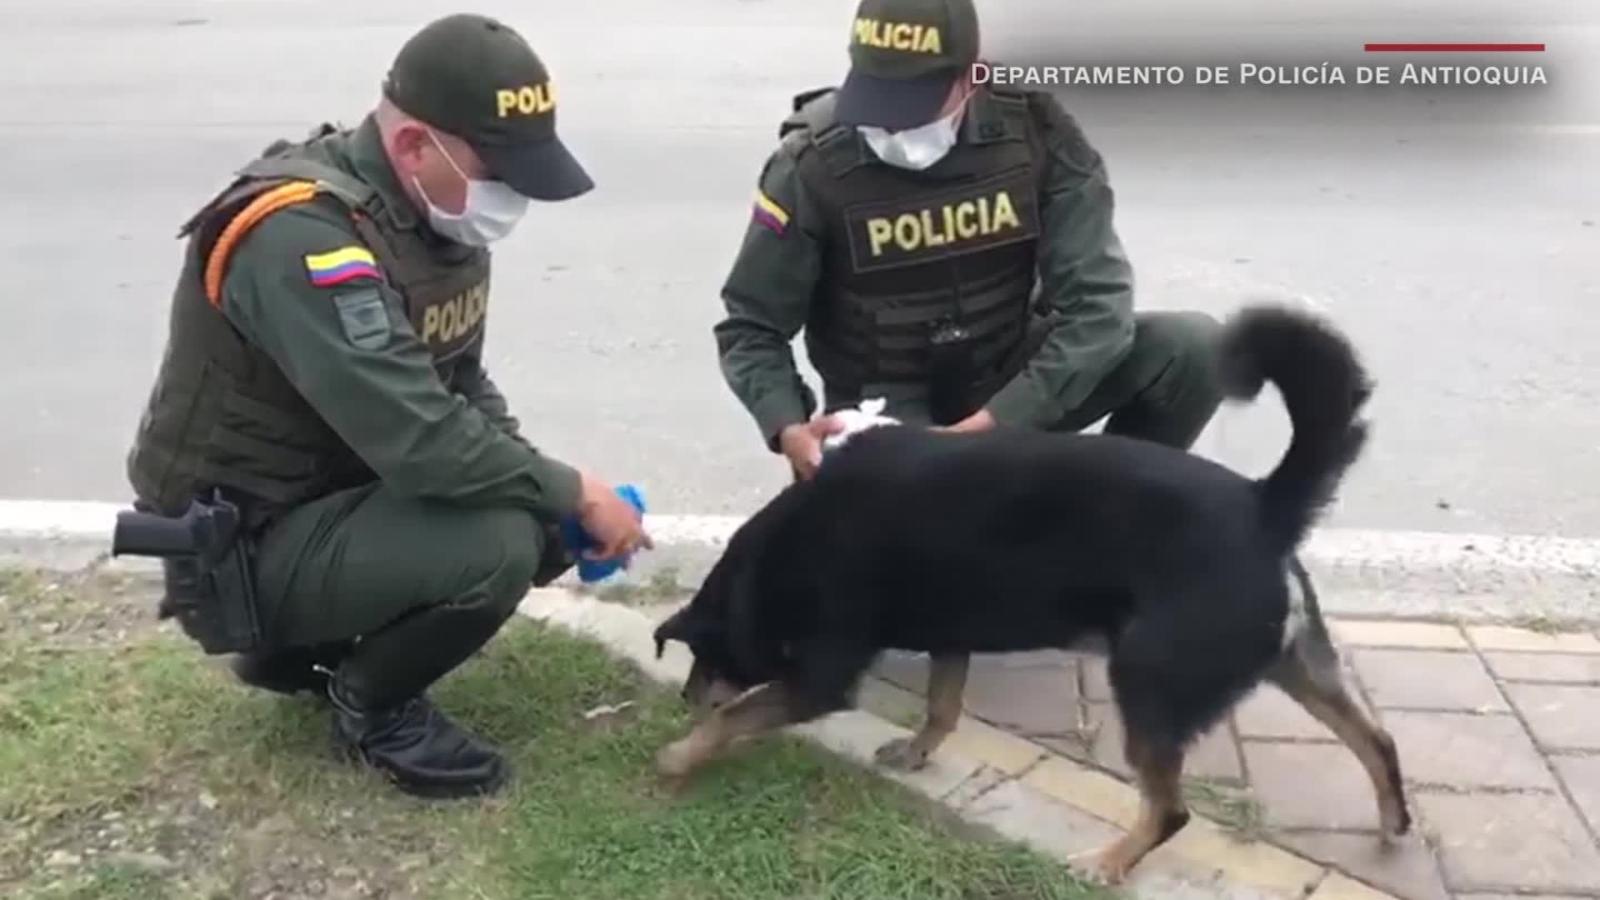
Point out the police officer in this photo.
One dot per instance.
(324, 371)
(948, 246)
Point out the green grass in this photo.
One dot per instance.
(662, 586)
(117, 752)
(105, 882)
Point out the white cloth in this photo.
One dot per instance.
(867, 414)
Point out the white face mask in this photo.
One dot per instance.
(491, 211)
(915, 148)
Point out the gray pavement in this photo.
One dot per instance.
(1455, 233)
(1495, 729)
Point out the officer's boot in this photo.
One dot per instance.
(415, 746)
(381, 715)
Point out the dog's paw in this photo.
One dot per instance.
(676, 760)
(1108, 873)
(1394, 824)
(1104, 866)
(901, 754)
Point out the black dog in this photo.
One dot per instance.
(1009, 540)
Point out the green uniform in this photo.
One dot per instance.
(336, 388)
(324, 378)
(1039, 283)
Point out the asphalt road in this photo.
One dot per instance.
(1452, 230)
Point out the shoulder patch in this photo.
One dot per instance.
(341, 265)
(364, 317)
(769, 214)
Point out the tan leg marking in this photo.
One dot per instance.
(947, 679)
(1162, 812)
(756, 711)
(1323, 695)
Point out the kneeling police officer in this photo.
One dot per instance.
(324, 382)
(947, 246)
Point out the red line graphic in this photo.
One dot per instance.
(1454, 48)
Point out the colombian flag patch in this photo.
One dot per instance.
(770, 214)
(340, 266)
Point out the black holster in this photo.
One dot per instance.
(957, 386)
(952, 375)
(556, 559)
(209, 564)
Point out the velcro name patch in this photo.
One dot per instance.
(1003, 209)
(364, 317)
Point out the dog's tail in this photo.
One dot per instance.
(1324, 387)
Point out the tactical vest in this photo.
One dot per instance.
(221, 413)
(928, 277)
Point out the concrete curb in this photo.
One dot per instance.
(1358, 573)
(1365, 573)
(1002, 782)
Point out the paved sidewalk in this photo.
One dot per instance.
(1498, 731)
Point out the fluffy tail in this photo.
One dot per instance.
(1324, 387)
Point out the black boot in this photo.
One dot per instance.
(417, 747)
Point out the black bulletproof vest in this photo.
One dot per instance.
(928, 276)
(221, 413)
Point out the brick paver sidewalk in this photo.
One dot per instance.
(1498, 731)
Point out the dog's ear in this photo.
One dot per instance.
(677, 627)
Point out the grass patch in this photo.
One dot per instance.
(139, 769)
(662, 586)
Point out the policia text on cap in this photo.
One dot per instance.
(949, 247)
(365, 513)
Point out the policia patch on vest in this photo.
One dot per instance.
(1002, 209)
(364, 317)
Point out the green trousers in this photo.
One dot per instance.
(1165, 389)
(416, 587)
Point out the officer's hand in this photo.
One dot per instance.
(982, 420)
(802, 443)
(617, 528)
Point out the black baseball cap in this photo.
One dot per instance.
(904, 56)
(476, 78)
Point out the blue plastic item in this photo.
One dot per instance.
(578, 540)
